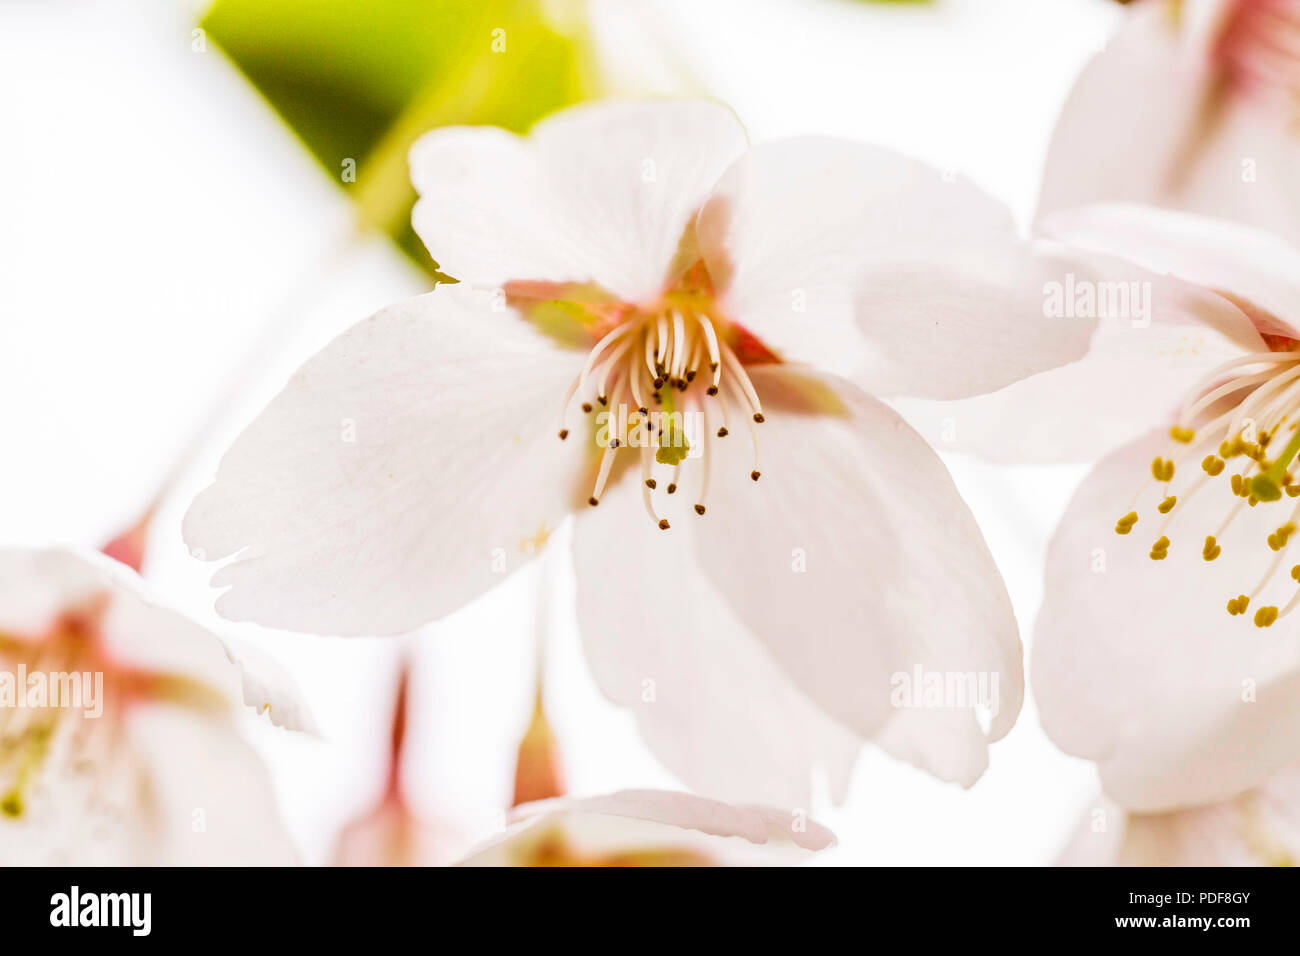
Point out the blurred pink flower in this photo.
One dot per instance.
(630, 257)
(1163, 654)
(1194, 105)
(131, 755)
(1260, 827)
(650, 828)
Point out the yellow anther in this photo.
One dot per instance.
(1160, 550)
(1125, 524)
(1167, 505)
(1238, 604)
(1278, 539)
(1295, 572)
(1265, 616)
(1212, 549)
(1292, 490)
(1230, 449)
(1213, 465)
(1181, 434)
(1162, 469)
(1240, 487)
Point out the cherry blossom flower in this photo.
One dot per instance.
(117, 739)
(1194, 105)
(670, 335)
(650, 828)
(1261, 827)
(1162, 650)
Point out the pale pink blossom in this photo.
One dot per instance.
(132, 755)
(651, 828)
(748, 593)
(1194, 105)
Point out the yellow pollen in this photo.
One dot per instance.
(1162, 469)
(1265, 616)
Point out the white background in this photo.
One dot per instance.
(159, 226)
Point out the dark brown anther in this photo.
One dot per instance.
(699, 509)
(712, 390)
(651, 483)
(672, 487)
(586, 408)
(663, 524)
(722, 433)
(755, 475)
(564, 433)
(593, 501)
(758, 417)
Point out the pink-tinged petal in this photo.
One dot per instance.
(133, 630)
(1261, 827)
(645, 827)
(598, 193)
(1255, 269)
(1157, 100)
(1137, 664)
(855, 562)
(1157, 357)
(403, 471)
(662, 642)
(211, 798)
(868, 264)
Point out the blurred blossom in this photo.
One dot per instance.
(1194, 105)
(632, 256)
(130, 754)
(392, 833)
(1161, 651)
(651, 828)
(1261, 827)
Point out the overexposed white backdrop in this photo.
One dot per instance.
(168, 250)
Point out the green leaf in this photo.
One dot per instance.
(359, 80)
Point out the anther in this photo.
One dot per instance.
(1265, 616)
(758, 417)
(564, 433)
(586, 408)
(1160, 550)
(711, 390)
(722, 432)
(1167, 505)
(1125, 524)
(1180, 433)
(1212, 549)
(1238, 604)
(755, 475)
(650, 483)
(663, 524)
(672, 487)
(1162, 469)
(699, 509)
(1213, 465)
(593, 501)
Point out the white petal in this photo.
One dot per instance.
(1259, 828)
(854, 560)
(644, 821)
(601, 193)
(1137, 664)
(1249, 265)
(871, 265)
(135, 630)
(662, 642)
(270, 689)
(402, 470)
(1078, 412)
(1186, 144)
(212, 802)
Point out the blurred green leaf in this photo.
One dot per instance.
(360, 80)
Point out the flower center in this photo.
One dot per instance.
(1251, 407)
(665, 381)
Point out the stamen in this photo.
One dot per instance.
(715, 361)
(606, 463)
(735, 370)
